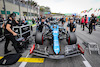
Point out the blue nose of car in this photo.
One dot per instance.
(56, 46)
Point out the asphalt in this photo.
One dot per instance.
(86, 60)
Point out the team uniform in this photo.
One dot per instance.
(50, 18)
(85, 22)
(47, 20)
(71, 26)
(41, 26)
(9, 37)
(62, 20)
(82, 22)
(92, 20)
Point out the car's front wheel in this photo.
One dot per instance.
(72, 38)
(39, 38)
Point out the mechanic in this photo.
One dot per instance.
(86, 21)
(92, 22)
(66, 19)
(1, 18)
(47, 20)
(74, 18)
(51, 18)
(10, 35)
(38, 20)
(33, 20)
(71, 25)
(95, 23)
(82, 22)
(41, 24)
(63, 20)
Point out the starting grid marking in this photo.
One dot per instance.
(41, 60)
(30, 60)
(1, 57)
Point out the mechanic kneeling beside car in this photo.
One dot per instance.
(71, 25)
(10, 35)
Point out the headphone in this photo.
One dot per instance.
(13, 15)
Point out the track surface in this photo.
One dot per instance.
(88, 60)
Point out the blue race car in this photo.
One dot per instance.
(53, 42)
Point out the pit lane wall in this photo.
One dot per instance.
(14, 7)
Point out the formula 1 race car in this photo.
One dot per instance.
(53, 42)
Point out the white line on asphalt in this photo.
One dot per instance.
(24, 63)
(86, 63)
